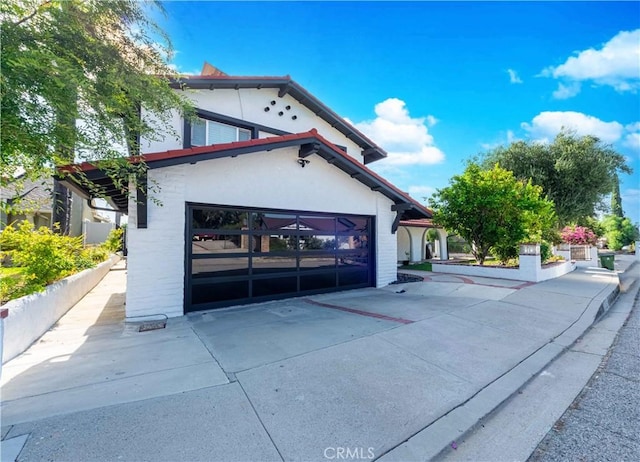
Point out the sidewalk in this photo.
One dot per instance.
(402, 371)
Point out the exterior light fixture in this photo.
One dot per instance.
(280, 113)
(267, 109)
(303, 162)
(294, 117)
(273, 102)
(288, 108)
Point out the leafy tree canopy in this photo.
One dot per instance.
(619, 231)
(575, 172)
(492, 209)
(74, 74)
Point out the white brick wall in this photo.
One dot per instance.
(265, 179)
(386, 243)
(155, 263)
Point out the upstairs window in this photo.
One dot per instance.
(205, 132)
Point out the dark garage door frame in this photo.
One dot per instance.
(237, 255)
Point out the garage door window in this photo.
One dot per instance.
(238, 255)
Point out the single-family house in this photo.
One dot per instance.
(266, 195)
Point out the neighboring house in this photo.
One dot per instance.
(33, 202)
(266, 195)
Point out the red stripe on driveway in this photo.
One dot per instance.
(360, 312)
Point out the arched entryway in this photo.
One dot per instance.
(416, 233)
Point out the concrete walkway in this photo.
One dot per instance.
(394, 373)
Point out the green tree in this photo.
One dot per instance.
(74, 76)
(619, 231)
(575, 172)
(492, 209)
(616, 200)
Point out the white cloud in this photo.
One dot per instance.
(420, 192)
(513, 76)
(508, 138)
(177, 69)
(616, 64)
(632, 140)
(546, 125)
(567, 91)
(633, 127)
(406, 139)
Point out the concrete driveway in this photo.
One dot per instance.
(303, 379)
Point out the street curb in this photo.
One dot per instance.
(432, 441)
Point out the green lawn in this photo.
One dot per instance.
(426, 266)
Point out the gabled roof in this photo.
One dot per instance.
(285, 85)
(310, 143)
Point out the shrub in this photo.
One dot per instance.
(545, 251)
(578, 235)
(14, 284)
(45, 256)
(505, 252)
(114, 240)
(95, 254)
(41, 257)
(619, 231)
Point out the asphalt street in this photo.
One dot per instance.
(603, 423)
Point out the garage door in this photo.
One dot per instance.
(237, 255)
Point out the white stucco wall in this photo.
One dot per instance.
(170, 140)
(404, 244)
(249, 104)
(265, 179)
(530, 270)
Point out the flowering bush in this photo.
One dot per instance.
(578, 235)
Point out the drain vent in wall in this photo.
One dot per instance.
(154, 322)
(152, 325)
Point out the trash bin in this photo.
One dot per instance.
(606, 260)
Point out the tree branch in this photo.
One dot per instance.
(35, 12)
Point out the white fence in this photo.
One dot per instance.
(96, 233)
(530, 268)
(583, 256)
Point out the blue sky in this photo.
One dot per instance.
(436, 83)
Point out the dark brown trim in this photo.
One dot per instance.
(141, 203)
